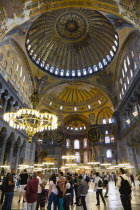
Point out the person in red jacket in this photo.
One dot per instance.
(31, 192)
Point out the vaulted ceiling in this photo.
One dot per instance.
(74, 36)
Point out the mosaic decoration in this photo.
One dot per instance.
(72, 42)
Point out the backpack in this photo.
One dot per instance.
(125, 188)
(100, 183)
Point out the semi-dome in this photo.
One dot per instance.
(72, 42)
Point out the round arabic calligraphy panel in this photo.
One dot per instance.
(94, 135)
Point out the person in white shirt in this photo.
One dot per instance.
(40, 186)
(98, 188)
(125, 189)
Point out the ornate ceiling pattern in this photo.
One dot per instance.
(16, 12)
(72, 42)
(72, 29)
(75, 97)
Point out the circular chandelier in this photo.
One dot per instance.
(32, 121)
(69, 157)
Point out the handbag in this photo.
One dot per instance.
(25, 206)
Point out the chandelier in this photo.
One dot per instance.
(31, 120)
(69, 157)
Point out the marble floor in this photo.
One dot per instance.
(113, 200)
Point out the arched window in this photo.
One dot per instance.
(135, 65)
(52, 69)
(5, 65)
(95, 68)
(76, 144)
(106, 132)
(107, 139)
(62, 72)
(128, 80)
(85, 157)
(104, 121)
(20, 71)
(123, 73)
(10, 72)
(84, 72)
(85, 143)
(17, 67)
(104, 62)
(67, 73)
(108, 58)
(78, 157)
(110, 120)
(111, 53)
(131, 73)
(12, 61)
(125, 67)
(100, 65)
(132, 54)
(15, 79)
(73, 73)
(79, 73)
(90, 70)
(67, 143)
(128, 61)
(109, 153)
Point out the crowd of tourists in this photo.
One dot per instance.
(63, 189)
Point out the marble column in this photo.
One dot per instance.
(17, 156)
(1, 91)
(3, 146)
(11, 154)
(11, 105)
(5, 103)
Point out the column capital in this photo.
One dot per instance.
(16, 107)
(6, 97)
(1, 91)
(12, 102)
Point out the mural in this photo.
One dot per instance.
(118, 22)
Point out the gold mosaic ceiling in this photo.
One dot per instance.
(75, 97)
(23, 13)
(72, 42)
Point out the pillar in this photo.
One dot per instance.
(5, 103)
(3, 146)
(10, 157)
(11, 105)
(17, 156)
(1, 91)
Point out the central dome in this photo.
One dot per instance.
(72, 42)
(71, 26)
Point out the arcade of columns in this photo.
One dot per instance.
(14, 146)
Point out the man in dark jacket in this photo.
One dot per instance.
(9, 186)
(83, 191)
(31, 192)
(23, 177)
